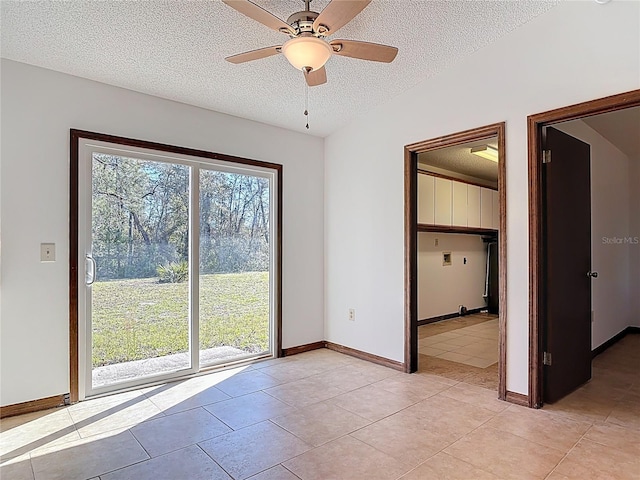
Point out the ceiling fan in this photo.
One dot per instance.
(307, 49)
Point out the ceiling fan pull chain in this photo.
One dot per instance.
(306, 102)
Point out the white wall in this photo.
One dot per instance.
(634, 228)
(610, 202)
(441, 289)
(38, 109)
(576, 52)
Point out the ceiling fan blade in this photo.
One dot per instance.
(316, 77)
(338, 13)
(259, 14)
(254, 54)
(364, 50)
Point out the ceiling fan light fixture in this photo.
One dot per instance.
(307, 52)
(486, 151)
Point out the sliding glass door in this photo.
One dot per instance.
(138, 268)
(177, 264)
(234, 265)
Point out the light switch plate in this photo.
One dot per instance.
(47, 252)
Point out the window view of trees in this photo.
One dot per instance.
(234, 223)
(141, 214)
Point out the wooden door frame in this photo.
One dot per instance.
(535, 124)
(411, 244)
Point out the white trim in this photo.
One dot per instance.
(273, 260)
(84, 248)
(194, 267)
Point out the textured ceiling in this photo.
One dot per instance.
(176, 49)
(459, 160)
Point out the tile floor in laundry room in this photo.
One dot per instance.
(462, 348)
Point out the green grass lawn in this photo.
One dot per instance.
(138, 319)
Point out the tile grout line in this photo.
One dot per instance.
(222, 421)
(131, 464)
(283, 466)
(543, 445)
(33, 471)
(349, 434)
(214, 460)
(568, 452)
(140, 443)
(465, 435)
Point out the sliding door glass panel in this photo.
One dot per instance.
(178, 264)
(140, 255)
(234, 266)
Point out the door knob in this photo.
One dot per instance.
(592, 274)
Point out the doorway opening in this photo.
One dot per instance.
(455, 257)
(584, 174)
(175, 262)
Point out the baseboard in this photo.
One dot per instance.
(59, 400)
(613, 340)
(32, 406)
(286, 352)
(448, 316)
(370, 357)
(517, 398)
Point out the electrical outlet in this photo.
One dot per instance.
(352, 314)
(47, 252)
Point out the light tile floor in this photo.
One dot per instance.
(475, 345)
(464, 349)
(323, 415)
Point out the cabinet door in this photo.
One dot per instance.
(443, 201)
(426, 199)
(495, 211)
(473, 206)
(486, 208)
(459, 203)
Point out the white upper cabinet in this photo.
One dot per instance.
(495, 211)
(473, 206)
(443, 201)
(486, 208)
(459, 204)
(426, 199)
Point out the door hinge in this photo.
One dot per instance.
(546, 156)
(546, 358)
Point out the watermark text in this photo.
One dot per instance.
(620, 240)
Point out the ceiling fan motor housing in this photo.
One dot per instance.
(302, 22)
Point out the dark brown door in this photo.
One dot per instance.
(567, 257)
